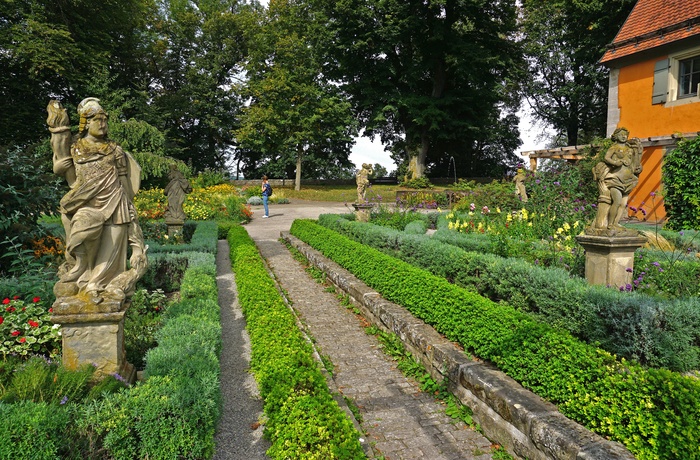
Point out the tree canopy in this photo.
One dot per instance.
(563, 41)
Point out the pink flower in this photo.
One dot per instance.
(33, 323)
(36, 299)
(6, 300)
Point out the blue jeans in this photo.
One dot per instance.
(265, 198)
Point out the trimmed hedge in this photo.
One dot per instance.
(303, 419)
(658, 333)
(655, 413)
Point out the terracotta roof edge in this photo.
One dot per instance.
(648, 35)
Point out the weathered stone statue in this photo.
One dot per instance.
(617, 175)
(363, 181)
(99, 217)
(519, 180)
(98, 212)
(176, 190)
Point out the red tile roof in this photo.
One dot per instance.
(654, 23)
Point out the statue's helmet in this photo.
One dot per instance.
(88, 108)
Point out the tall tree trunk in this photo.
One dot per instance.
(297, 180)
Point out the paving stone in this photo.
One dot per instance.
(401, 421)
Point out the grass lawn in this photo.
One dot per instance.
(343, 193)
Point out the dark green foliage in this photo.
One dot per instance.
(303, 419)
(653, 332)
(28, 189)
(645, 409)
(141, 322)
(165, 271)
(681, 177)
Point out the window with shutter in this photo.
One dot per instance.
(660, 92)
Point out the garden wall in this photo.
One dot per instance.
(524, 423)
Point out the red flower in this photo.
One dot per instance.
(15, 333)
(51, 310)
(15, 297)
(6, 300)
(36, 299)
(10, 309)
(2, 320)
(22, 340)
(33, 323)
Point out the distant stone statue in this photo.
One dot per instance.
(176, 190)
(98, 211)
(363, 182)
(616, 175)
(519, 180)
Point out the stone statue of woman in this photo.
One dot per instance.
(98, 211)
(176, 190)
(362, 180)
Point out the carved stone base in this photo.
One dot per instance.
(93, 334)
(362, 211)
(608, 258)
(174, 229)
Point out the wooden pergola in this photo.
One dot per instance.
(573, 153)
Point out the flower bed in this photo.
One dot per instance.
(660, 333)
(653, 412)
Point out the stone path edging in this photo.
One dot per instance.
(526, 424)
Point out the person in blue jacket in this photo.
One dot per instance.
(266, 192)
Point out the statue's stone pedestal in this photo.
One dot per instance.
(609, 257)
(174, 227)
(93, 334)
(362, 211)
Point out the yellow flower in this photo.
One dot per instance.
(509, 218)
(450, 225)
(566, 226)
(471, 213)
(576, 224)
(450, 216)
(560, 230)
(498, 210)
(529, 224)
(568, 237)
(480, 226)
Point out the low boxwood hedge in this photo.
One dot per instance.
(655, 332)
(303, 419)
(654, 412)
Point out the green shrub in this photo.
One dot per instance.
(303, 419)
(165, 272)
(647, 410)
(681, 178)
(417, 227)
(37, 431)
(638, 327)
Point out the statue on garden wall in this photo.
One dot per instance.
(98, 212)
(617, 175)
(363, 181)
(519, 180)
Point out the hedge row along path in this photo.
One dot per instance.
(400, 421)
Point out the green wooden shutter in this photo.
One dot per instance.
(660, 92)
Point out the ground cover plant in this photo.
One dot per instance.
(655, 332)
(645, 409)
(303, 420)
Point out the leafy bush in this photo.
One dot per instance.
(645, 409)
(165, 271)
(681, 178)
(632, 325)
(417, 227)
(26, 328)
(303, 419)
(419, 182)
(254, 201)
(496, 194)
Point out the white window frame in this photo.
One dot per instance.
(673, 77)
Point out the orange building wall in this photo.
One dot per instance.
(644, 120)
